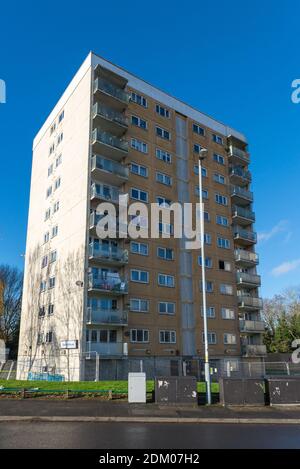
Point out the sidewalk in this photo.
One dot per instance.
(79, 410)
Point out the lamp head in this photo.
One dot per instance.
(202, 153)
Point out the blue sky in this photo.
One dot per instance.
(232, 60)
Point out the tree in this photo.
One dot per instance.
(11, 280)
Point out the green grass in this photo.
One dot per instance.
(116, 386)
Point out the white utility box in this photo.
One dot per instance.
(137, 387)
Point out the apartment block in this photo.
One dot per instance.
(102, 304)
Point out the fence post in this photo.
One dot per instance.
(228, 368)
(110, 394)
(287, 368)
(249, 369)
(97, 367)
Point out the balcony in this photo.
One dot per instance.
(113, 317)
(109, 349)
(247, 280)
(240, 196)
(109, 171)
(113, 284)
(245, 258)
(105, 192)
(244, 237)
(110, 94)
(247, 326)
(107, 253)
(109, 145)
(242, 216)
(120, 228)
(239, 176)
(109, 120)
(249, 302)
(254, 350)
(237, 156)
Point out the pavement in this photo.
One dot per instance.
(79, 410)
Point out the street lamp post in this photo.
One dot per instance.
(202, 156)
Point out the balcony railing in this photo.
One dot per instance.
(109, 166)
(245, 278)
(241, 255)
(105, 348)
(103, 191)
(107, 316)
(240, 173)
(239, 233)
(239, 154)
(110, 114)
(110, 284)
(108, 252)
(250, 302)
(108, 139)
(251, 326)
(242, 212)
(115, 225)
(112, 90)
(254, 350)
(241, 192)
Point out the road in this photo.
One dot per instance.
(146, 435)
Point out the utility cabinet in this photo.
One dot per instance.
(136, 387)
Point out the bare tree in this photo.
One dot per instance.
(11, 280)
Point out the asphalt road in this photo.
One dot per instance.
(146, 435)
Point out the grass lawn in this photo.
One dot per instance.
(116, 386)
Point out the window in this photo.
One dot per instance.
(217, 139)
(56, 206)
(210, 312)
(139, 248)
(48, 192)
(209, 286)
(138, 194)
(163, 201)
(46, 237)
(198, 130)
(207, 238)
(44, 261)
(162, 111)
(229, 338)
(60, 138)
(225, 265)
(204, 192)
(167, 337)
(165, 228)
(163, 133)
(227, 313)
(42, 311)
(220, 220)
(53, 256)
(139, 145)
(223, 243)
(49, 337)
(58, 160)
(51, 149)
(165, 253)
(50, 309)
(139, 335)
(211, 338)
(57, 183)
(218, 158)
(54, 231)
(208, 261)
(47, 214)
(139, 122)
(203, 170)
(163, 179)
(221, 199)
(219, 178)
(61, 116)
(50, 170)
(197, 148)
(166, 280)
(51, 282)
(206, 216)
(139, 99)
(166, 307)
(226, 289)
(163, 155)
(43, 285)
(139, 276)
(139, 305)
(40, 338)
(139, 170)
(52, 128)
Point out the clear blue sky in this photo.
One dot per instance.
(233, 60)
